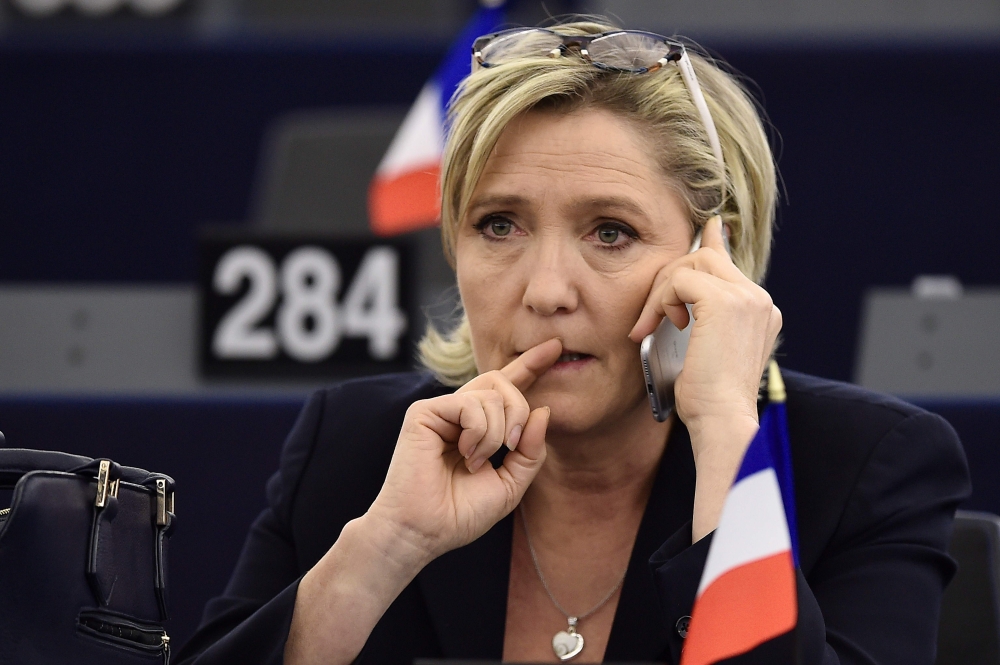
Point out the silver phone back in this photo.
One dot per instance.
(662, 355)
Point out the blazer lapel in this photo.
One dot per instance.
(466, 595)
(640, 631)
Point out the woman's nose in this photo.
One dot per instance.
(551, 286)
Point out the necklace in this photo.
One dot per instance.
(567, 643)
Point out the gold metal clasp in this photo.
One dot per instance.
(105, 486)
(164, 503)
(103, 471)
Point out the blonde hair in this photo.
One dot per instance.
(660, 105)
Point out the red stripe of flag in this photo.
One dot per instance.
(741, 609)
(406, 202)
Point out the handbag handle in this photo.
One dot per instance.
(15, 462)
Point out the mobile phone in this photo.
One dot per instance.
(662, 354)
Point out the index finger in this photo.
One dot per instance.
(527, 367)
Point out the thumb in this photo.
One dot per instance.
(522, 464)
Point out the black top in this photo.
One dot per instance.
(877, 481)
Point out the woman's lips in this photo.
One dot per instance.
(572, 360)
(569, 360)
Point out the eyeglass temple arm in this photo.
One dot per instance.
(691, 80)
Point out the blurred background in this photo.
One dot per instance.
(132, 132)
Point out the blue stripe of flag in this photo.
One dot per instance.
(458, 61)
(770, 449)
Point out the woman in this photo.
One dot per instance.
(577, 174)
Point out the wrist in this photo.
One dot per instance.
(402, 549)
(724, 409)
(720, 439)
(365, 562)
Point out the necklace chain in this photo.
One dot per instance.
(573, 619)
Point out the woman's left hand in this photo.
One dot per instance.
(735, 328)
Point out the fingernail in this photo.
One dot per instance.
(474, 466)
(471, 451)
(726, 233)
(515, 436)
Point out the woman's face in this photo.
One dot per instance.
(563, 237)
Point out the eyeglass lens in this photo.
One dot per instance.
(512, 46)
(630, 51)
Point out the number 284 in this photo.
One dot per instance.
(309, 323)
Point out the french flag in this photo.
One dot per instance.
(747, 593)
(403, 195)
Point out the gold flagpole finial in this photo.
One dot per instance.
(775, 385)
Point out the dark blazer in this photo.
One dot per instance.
(876, 480)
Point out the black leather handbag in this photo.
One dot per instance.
(83, 561)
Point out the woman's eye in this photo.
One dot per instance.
(494, 226)
(614, 235)
(608, 235)
(500, 227)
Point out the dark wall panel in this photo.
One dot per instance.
(110, 158)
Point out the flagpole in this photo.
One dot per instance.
(776, 395)
(775, 384)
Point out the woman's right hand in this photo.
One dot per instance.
(441, 492)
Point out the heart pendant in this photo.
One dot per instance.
(567, 645)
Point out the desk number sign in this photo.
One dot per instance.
(304, 308)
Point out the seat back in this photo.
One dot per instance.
(930, 347)
(969, 631)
